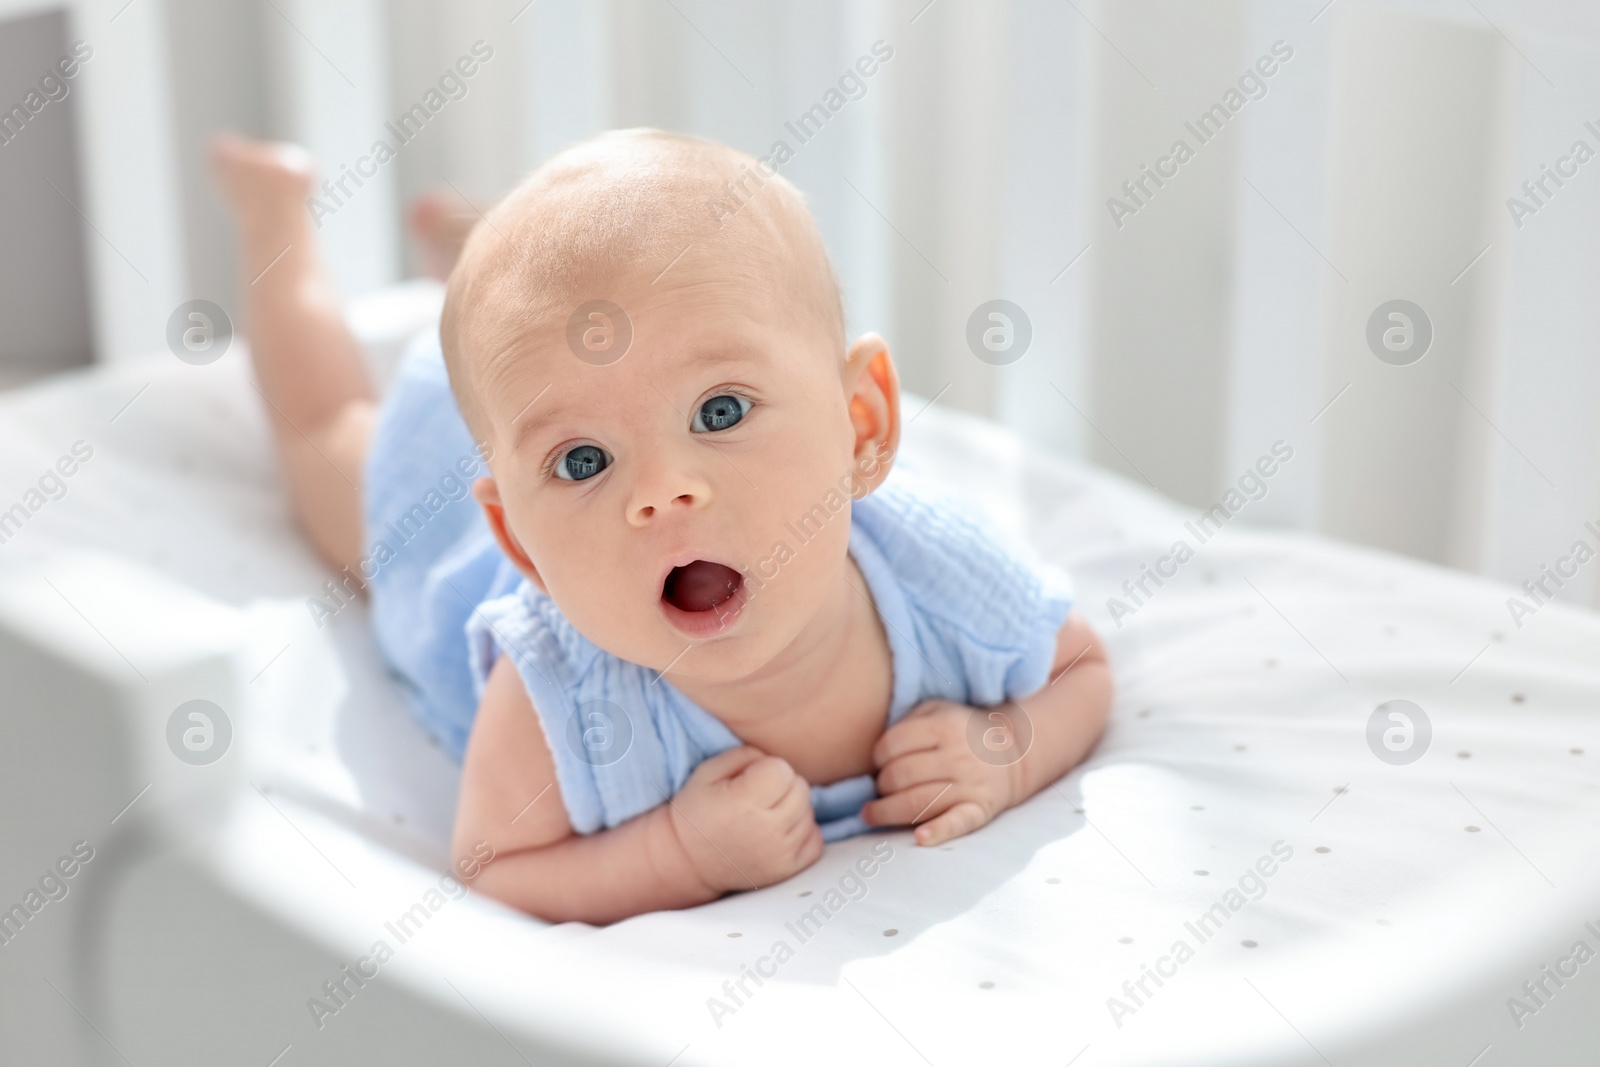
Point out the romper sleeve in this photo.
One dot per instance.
(511, 624)
(985, 610)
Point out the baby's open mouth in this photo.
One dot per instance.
(700, 585)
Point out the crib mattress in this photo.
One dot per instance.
(1242, 873)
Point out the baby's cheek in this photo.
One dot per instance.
(629, 631)
(811, 458)
(800, 498)
(608, 604)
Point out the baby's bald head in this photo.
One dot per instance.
(615, 211)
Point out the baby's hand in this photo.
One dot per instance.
(745, 817)
(929, 774)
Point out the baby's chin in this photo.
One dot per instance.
(727, 644)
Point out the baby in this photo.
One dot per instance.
(696, 597)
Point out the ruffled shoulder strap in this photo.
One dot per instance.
(622, 740)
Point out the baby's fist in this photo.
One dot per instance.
(745, 820)
(930, 775)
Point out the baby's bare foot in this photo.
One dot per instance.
(440, 222)
(265, 184)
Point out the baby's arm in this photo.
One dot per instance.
(1069, 714)
(743, 820)
(928, 770)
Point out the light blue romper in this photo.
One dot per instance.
(967, 619)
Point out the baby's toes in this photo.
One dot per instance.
(440, 222)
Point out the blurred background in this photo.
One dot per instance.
(1173, 311)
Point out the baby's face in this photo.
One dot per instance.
(642, 491)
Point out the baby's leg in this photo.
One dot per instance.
(309, 367)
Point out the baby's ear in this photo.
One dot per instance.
(487, 493)
(874, 390)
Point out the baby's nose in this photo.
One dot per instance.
(643, 511)
(663, 487)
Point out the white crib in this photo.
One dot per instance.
(223, 902)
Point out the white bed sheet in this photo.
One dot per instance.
(1394, 934)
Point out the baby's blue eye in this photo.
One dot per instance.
(582, 462)
(720, 412)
